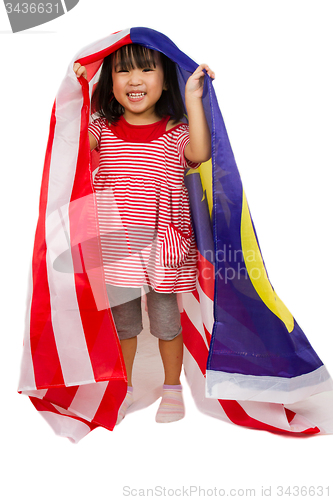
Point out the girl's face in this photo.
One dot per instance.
(138, 90)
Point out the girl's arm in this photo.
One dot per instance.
(199, 148)
(92, 141)
(81, 71)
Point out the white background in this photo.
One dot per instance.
(274, 83)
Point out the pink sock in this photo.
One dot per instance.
(125, 404)
(172, 405)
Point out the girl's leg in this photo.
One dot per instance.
(172, 404)
(164, 319)
(172, 358)
(128, 347)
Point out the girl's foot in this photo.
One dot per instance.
(125, 404)
(172, 405)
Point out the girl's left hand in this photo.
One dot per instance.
(195, 83)
(80, 70)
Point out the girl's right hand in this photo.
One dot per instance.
(80, 70)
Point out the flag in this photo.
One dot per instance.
(246, 359)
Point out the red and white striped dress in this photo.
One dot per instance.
(143, 205)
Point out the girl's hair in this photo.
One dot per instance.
(133, 56)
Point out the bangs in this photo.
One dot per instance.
(134, 56)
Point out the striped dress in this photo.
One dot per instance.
(143, 205)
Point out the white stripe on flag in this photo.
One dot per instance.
(282, 390)
(99, 45)
(27, 377)
(40, 393)
(87, 400)
(65, 426)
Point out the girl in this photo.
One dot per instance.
(146, 235)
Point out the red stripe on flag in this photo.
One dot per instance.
(61, 396)
(206, 276)
(289, 414)
(45, 358)
(238, 416)
(208, 335)
(107, 412)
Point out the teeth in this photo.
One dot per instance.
(137, 94)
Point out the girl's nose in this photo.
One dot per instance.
(136, 77)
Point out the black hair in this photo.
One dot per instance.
(130, 56)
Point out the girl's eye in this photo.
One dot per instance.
(145, 70)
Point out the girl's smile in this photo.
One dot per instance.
(136, 96)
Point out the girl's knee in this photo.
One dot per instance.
(167, 334)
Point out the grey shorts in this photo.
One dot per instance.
(163, 312)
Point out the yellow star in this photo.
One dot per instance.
(205, 171)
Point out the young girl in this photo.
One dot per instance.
(146, 234)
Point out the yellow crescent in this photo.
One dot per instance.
(256, 270)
